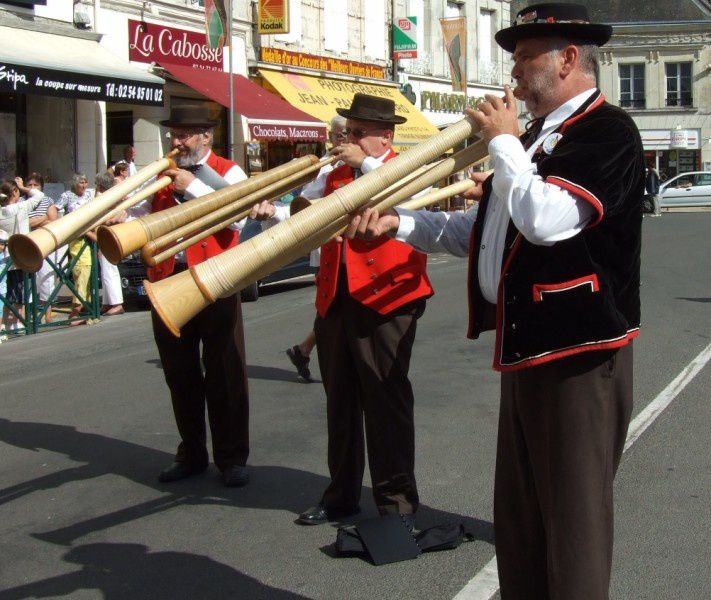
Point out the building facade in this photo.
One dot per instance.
(657, 66)
(661, 74)
(487, 66)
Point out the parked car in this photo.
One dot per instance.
(687, 189)
(133, 272)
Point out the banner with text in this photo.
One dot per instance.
(65, 84)
(321, 63)
(454, 32)
(320, 97)
(148, 42)
(405, 38)
(273, 16)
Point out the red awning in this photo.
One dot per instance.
(268, 116)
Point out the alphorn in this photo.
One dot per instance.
(474, 154)
(160, 249)
(436, 195)
(29, 250)
(118, 241)
(178, 298)
(143, 193)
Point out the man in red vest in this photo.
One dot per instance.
(369, 297)
(223, 386)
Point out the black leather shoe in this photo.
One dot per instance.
(409, 520)
(300, 361)
(235, 476)
(319, 514)
(180, 470)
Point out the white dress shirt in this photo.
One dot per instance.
(542, 212)
(196, 189)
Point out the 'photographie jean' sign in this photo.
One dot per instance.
(49, 82)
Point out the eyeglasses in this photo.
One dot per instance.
(360, 132)
(184, 135)
(341, 134)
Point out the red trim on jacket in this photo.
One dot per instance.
(581, 192)
(556, 354)
(500, 300)
(597, 102)
(540, 289)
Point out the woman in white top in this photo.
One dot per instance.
(14, 218)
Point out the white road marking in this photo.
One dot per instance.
(485, 583)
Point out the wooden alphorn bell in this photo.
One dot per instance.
(178, 298)
(179, 239)
(29, 250)
(118, 241)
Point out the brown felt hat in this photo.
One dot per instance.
(371, 108)
(189, 115)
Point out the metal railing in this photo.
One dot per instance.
(30, 318)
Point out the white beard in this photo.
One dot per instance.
(188, 160)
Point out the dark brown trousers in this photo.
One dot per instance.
(562, 430)
(222, 385)
(364, 359)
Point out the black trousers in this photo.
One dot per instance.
(222, 386)
(364, 359)
(562, 430)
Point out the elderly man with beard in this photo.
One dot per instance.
(223, 385)
(554, 249)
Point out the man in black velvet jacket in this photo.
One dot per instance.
(554, 249)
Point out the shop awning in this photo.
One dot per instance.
(268, 116)
(33, 62)
(320, 96)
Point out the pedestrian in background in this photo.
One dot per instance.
(15, 218)
(300, 354)
(44, 213)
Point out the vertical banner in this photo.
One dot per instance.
(454, 32)
(273, 16)
(216, 24)
(405, 38)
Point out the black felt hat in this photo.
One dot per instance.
(189, 115)
(371, 108)
(554, 19)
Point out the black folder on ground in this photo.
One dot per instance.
(387, 539)
(351, 542)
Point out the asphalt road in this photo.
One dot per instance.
(86, 425)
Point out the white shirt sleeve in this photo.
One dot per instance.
(198, 188)
(35, 197)
(436, 231)
(544, 213)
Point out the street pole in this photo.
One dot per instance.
(231, 79)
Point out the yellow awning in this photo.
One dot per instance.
(320, 97)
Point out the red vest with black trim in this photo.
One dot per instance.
(383, 274)
(204, 249)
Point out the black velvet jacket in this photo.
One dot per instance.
(582, 293)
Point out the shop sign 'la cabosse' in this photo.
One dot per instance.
(149, 42)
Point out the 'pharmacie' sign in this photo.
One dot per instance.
(64, 84)
(453, 103)
(148, 42)
(306, 133)
(321, 63)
